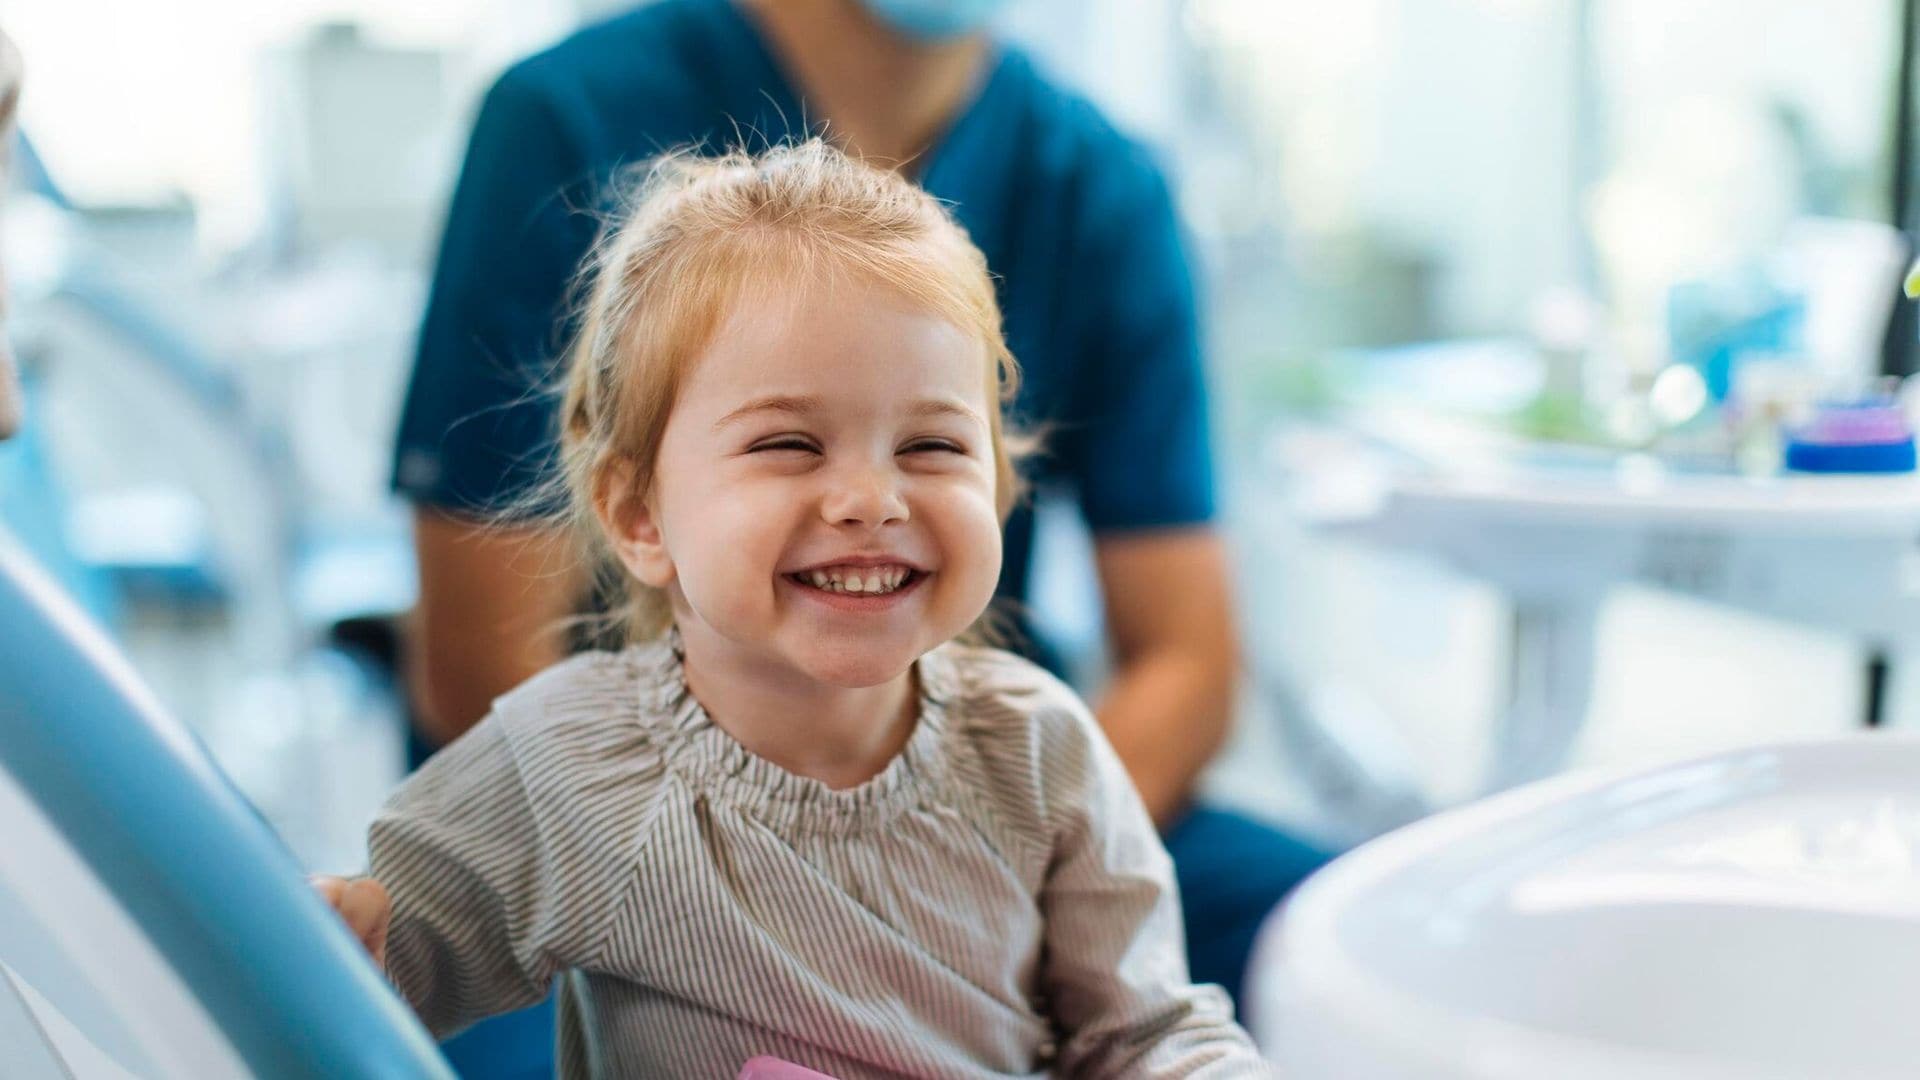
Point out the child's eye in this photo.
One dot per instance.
(783, 442)
(922, 446)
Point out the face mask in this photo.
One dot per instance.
(935, 20)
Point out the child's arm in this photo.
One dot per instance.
(478, 927)
(1115, 973)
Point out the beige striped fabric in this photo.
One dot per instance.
(994, 903)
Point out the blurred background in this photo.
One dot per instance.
(1632, 231)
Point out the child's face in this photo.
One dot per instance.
(841, 439)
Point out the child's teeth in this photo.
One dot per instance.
(876, 581)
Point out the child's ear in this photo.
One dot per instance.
(631, 526)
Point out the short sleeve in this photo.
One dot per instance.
(478, 427)
(1115, 970)
(1137, 441)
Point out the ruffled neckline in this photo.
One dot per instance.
(710, 759)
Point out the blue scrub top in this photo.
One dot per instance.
(1075, 220)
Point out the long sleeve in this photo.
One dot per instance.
(1115, 971)
(482, 921)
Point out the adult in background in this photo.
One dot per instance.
(1075, 220)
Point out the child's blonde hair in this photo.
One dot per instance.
(701, 234)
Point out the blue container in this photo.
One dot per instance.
(1860, 437)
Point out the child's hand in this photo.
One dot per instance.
(363, 905)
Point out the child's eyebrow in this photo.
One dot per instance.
(808, 404)
(943, 407)
(780, 403)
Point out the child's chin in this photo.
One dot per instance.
(860, 671)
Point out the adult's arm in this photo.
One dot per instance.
(490, 615)
(1171, 631)
(477, 430)
(1139, 451)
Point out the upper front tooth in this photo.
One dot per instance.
(873, 582)
(854, 584)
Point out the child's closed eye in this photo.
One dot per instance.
(797, 443)
(800, 444)
(933, 446)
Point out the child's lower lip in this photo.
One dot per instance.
(859, 601)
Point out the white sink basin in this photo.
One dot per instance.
(1754, 915)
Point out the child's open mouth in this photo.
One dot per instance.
(859, 581)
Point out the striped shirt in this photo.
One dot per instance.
(994, 903)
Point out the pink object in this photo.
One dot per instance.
(766, 1068)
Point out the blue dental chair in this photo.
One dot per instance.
(151, 924)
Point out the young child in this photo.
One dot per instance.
(795, 817)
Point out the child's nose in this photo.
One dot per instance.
(865, 496)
